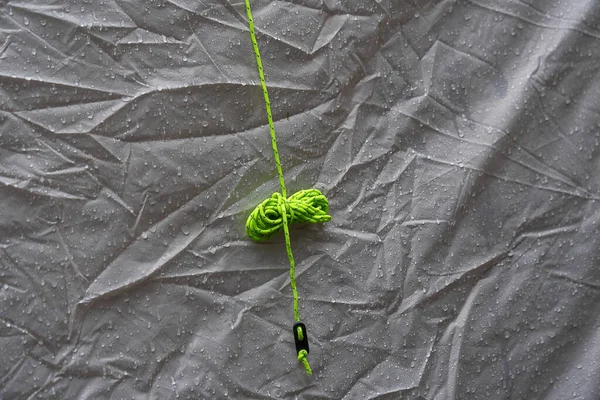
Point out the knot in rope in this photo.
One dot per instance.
(304, 206)
(302, 354)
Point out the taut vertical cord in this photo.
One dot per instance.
(272, 214)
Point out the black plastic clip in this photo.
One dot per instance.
(300, 337)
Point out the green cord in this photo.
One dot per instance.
(302, 358)
(266, 95)
(272, 214)
(300, 333)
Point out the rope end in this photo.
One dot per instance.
(302, 354)
(301, 339)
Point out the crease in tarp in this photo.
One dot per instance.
(530, 15)
(121, 273)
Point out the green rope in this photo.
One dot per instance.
(302, 358)
(278, 211)
(300, 333)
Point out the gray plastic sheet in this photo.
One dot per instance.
(457, 142)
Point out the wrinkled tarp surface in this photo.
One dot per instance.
(457, 142)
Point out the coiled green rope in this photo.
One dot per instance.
(278, 211)
(304, 206)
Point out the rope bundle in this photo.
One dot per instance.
(301, 207)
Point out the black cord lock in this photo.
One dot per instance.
(300, 337)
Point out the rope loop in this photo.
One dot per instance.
(302, 354)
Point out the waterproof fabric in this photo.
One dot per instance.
(457, 142)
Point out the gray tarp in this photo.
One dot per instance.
(457, 142)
